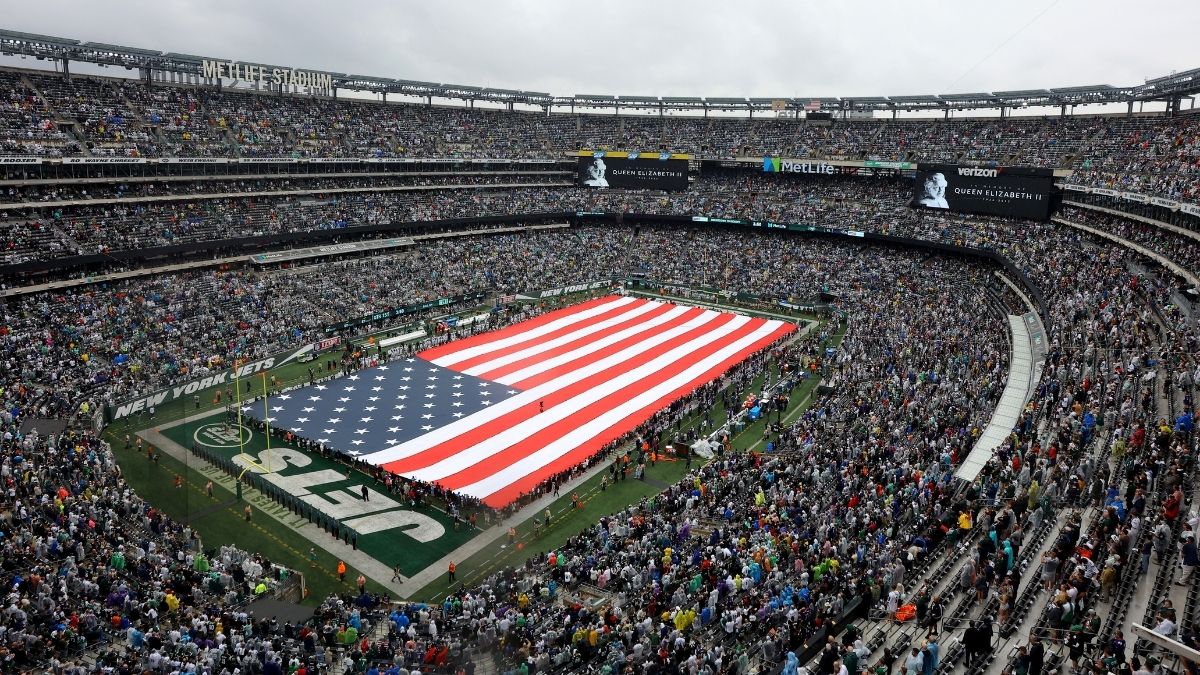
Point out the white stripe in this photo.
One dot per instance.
(529, 396)
(540, 347)
(519, 432)
(590, 348)
(577, 437)
(533, 333)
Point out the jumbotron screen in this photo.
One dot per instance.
(637, 173)
(1003, 191)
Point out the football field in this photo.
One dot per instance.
(388, 529)
(307, 497)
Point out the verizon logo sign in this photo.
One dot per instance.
(978, 173)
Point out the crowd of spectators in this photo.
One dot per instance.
(730, 569)
(46, 115)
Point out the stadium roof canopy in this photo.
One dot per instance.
(1168, 88)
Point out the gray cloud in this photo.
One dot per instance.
(696, 47)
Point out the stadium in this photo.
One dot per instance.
(311, 372)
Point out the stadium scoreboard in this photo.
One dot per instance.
(1022, 192)
(633, 171)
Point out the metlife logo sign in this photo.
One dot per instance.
(777, 165)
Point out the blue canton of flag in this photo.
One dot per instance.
(380, 407)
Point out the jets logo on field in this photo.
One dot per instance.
(223, 435)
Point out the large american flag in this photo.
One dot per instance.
(493, 415)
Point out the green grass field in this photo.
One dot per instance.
(219, 520)
(390, 545)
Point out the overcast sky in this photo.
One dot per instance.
(655, 47)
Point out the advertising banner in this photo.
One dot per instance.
(640, 173)
(193, 160)
(221, 377)
(104, 160)
(562, 290)
(1004, 191)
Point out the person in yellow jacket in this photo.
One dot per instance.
(964, 520)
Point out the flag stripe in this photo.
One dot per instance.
(516, 329)
(505, 485)
(530, 397)
(588, 400)
(522, 375)
(531, 335)
(484, 441)
(577, 335)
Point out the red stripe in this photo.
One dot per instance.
(481, 433)
(464, 365)
(510, 493)
(584, 340)
(556, 431)
(515, 329)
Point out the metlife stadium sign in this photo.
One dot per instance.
(777, 165)
(1005, 191)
